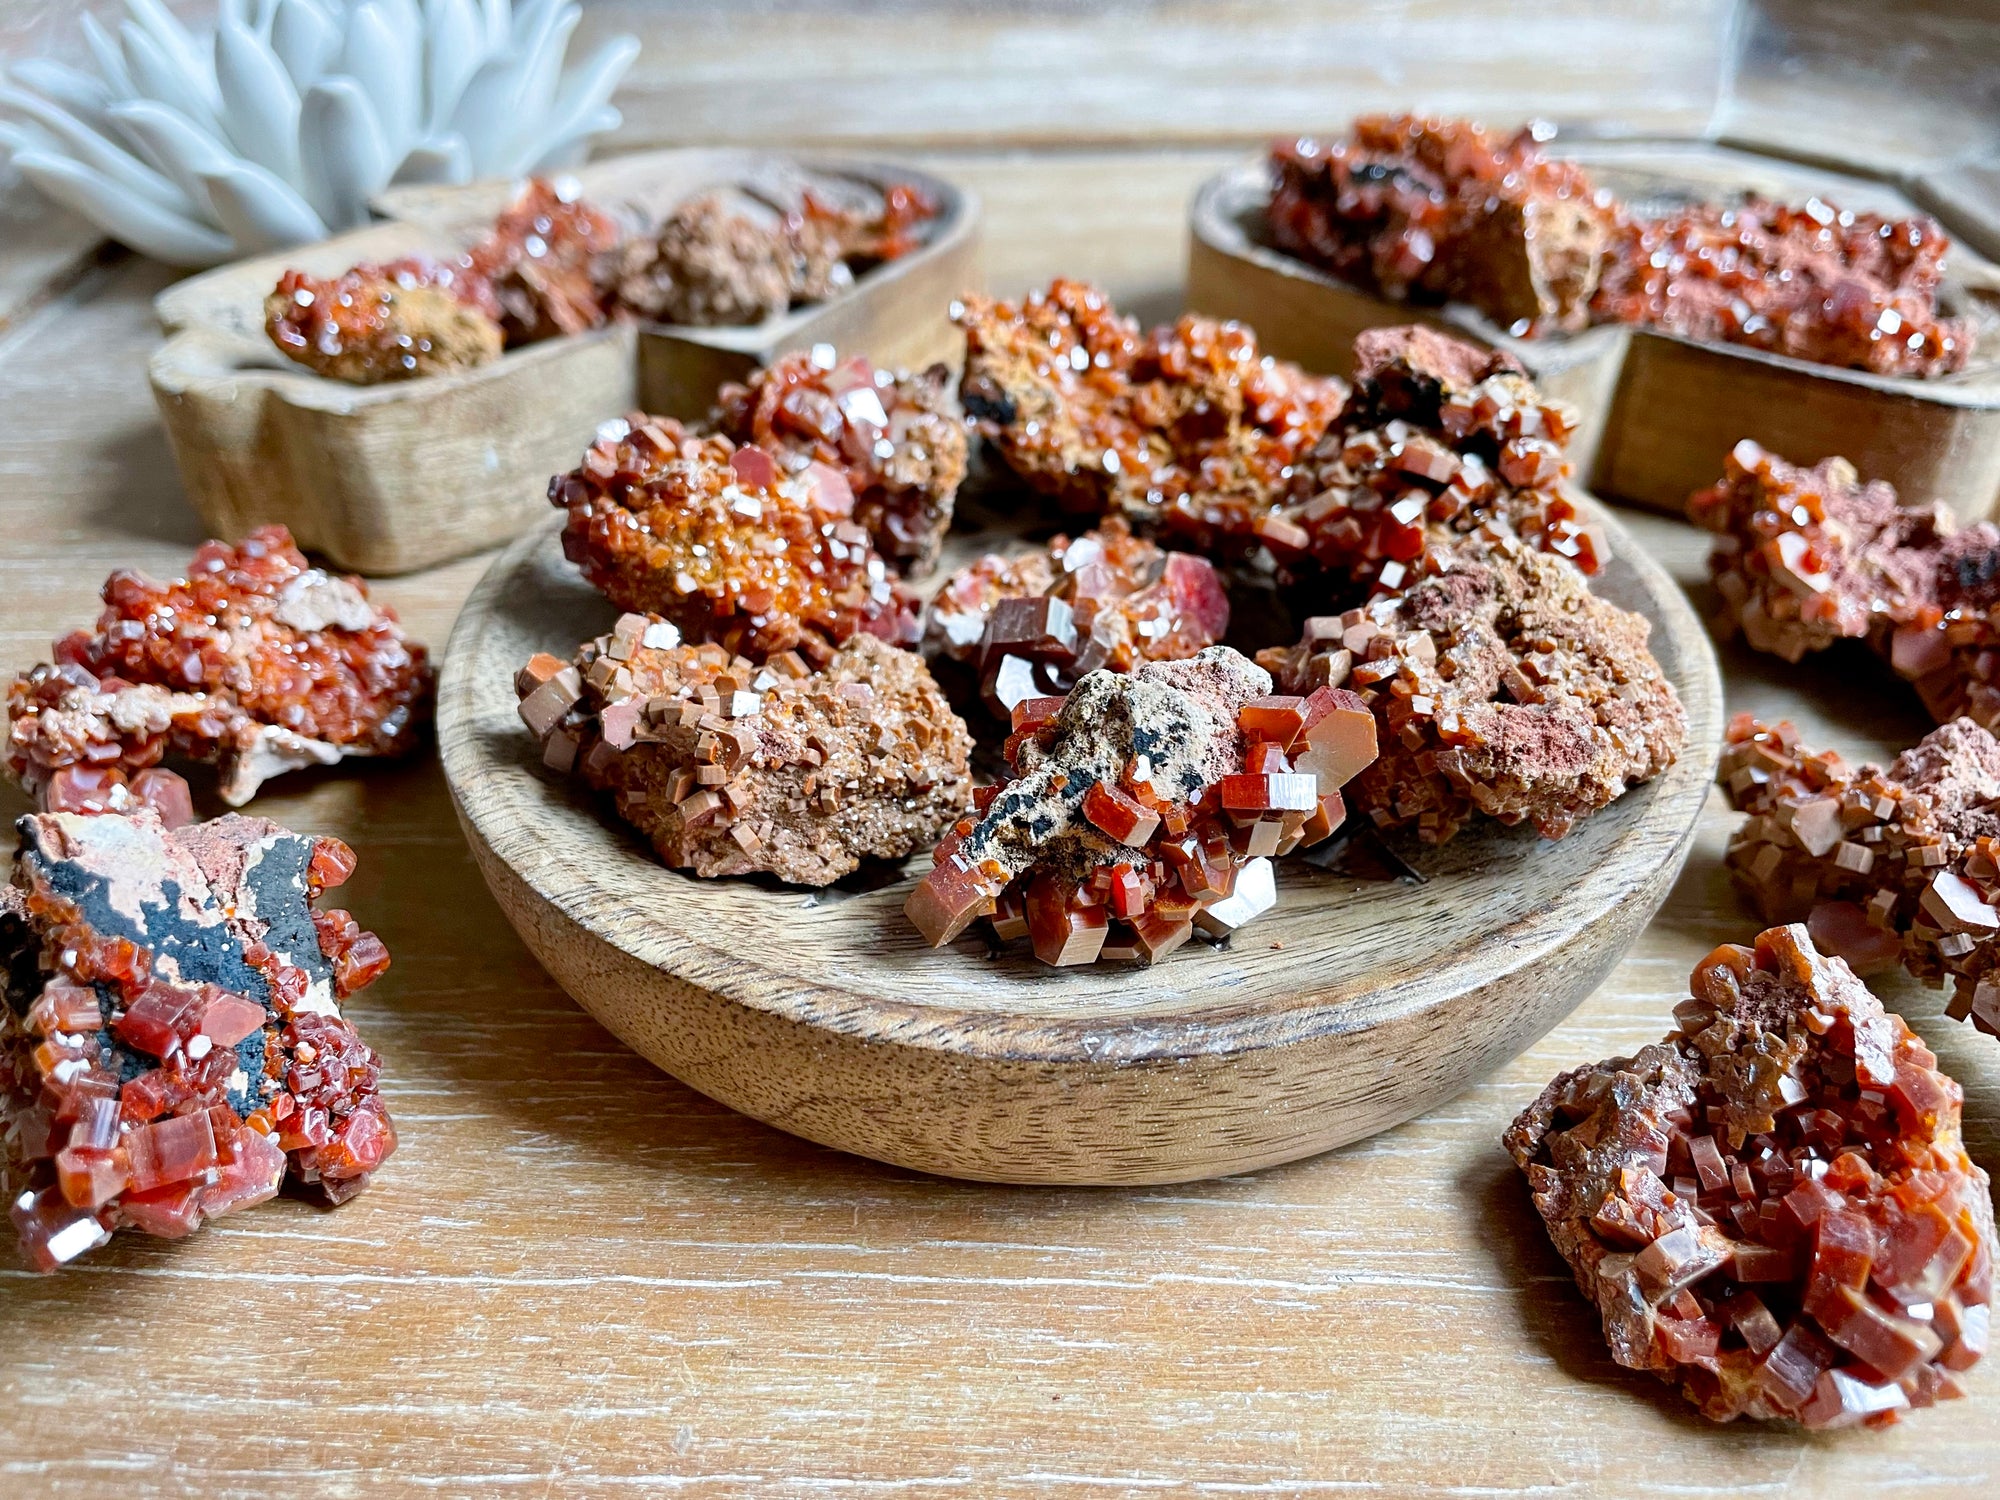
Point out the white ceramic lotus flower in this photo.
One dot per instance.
(279, 127)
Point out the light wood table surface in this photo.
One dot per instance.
(577, 1277)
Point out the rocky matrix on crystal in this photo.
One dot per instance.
(1145, 805)
(726, 544)
(531, 278)
(1031, 626)
(1807, 557)
(730, 766)
(1438, 437)
(1191, 428)
(255, 662)
(1887, 865)
(1433, 209)
(1502, 686)
(1815, 281)
(1773, 1208)
(744, 254)
(900, 440)
(172, 1044)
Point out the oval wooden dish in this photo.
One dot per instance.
(389, 478)
(1353, 1005)
(1659, 412)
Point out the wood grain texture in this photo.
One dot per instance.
(580, 1278)
(1658, 411)
(1349, 1007)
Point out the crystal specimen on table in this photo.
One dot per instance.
(1190, 428)
(1815, 281)
(1502, 685)
(899, 439)
(1032, 626)
(1773, 1207)
(172, 1044)
(746, 253)
(1807, 557)
(1431, 209)
(530, 278)
(1142, 804)
(1439, 436)
(729, 766)
(1888, 864)
(726, 544)
(256, 662)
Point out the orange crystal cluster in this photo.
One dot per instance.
(1807, 557)
(1773, 1208)
(1885, 864)
(1433, 209)
(728, 546)
(171, 1047)
(1191, 429)
(255, 661)
(899, 439)
(1031, 626)
(1143, 806)
(730, 766)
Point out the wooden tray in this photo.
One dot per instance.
(389, 478)
(1659, 412)
(1352, 1006)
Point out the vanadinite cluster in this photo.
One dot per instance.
(1143, 805)
(1886, 864)
(1773, 1208)
(1432, 210)
(729, 766)
(256, 662)
(172, 1044)
(1807, 557)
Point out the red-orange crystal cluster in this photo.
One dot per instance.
(899, 439)
(726, 544)
(1885, 864)
(730, 766)
(171, 1045)
(1192, 428)
(1032, 626)
(1813, 281)
(1145, 805)
(256, 661)
(1773, 1208)
(1433, 209)
(1807, 557)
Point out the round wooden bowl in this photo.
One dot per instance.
(1353, 1005)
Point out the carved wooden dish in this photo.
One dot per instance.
(389, 478)
(1659, 412)
(1353, 1005)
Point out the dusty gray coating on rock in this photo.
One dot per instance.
(1180, 716)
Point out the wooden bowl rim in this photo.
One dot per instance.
(1212, 218)
(1666, 809)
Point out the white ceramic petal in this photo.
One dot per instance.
(178, 47)
(544, 69)
(258, 211)
(456, 38)
(22, 135)
(573, 150)
(386, 69)
(157, 76)
(96, 151)
(485, 111)
(260, 104)
(444, 158)
(104, 51)
(304, 39)
(499, 16)
(588, 86)
(72, 88)
(341, 151)
(530, 18)
(144, 226)
(182, 149)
